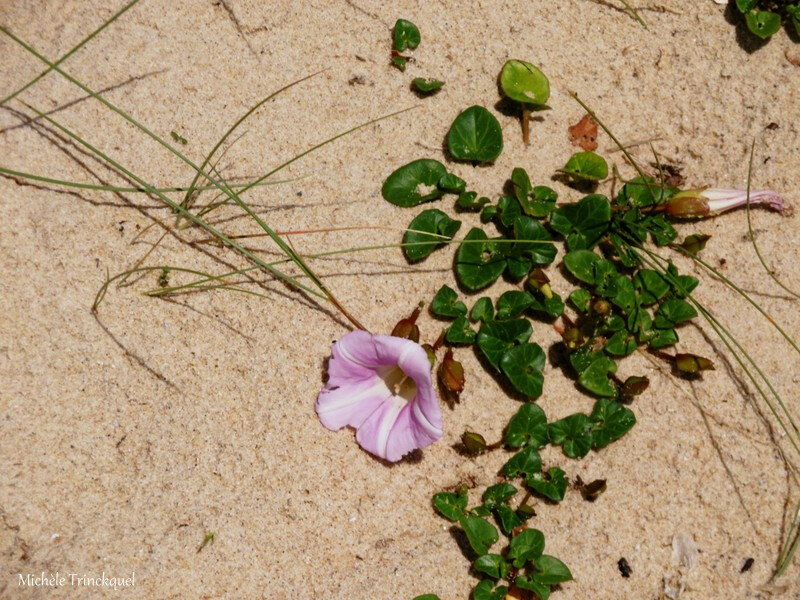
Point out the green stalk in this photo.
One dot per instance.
(80, 45)
(133, 190)
(192, 186)
(750, 227)
(277, 239)
(174, 205)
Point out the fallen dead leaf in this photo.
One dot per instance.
(584, 133)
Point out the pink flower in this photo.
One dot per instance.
(382, 386)
(705, 203)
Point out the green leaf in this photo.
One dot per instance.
(580, 263)
(523, 82)
(536, 201)
(470, 201)
(527, 428)
(542, 201)
(485, 590)
(478, 261)
(451, 506)
(621, 344)
(499, 493)
(640, 192)
(492, 565)
(512, 303)
(552, 485)
(414, 183)
(426, 231)
(508, 209)
(400, 62)
(763, 23)
(480, 533)
(594, 378)
(651, 286)
(586, 166)
(523, 366)
(482, 310)
(427, 597)
(460, 332)
(522, 184)
(611, 421)
(551, 571)
(552, 307)
(527, 582)
(508, 517)
(480, 511)
(446, 303)
(531, 234)
(427, 86)
(475, 135)
(406, 35)
(452, 183)
(746, 5)
(525, 462)
(580, 298)
(672, 312)
(583, 223)
(527, 545)
(495, 338)
(662, 338)
(573, 434)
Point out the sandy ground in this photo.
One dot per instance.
(128, 435)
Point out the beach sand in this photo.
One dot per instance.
(127, 435)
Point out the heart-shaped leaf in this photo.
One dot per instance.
(584, 222)
(405, 35)
(586, 166)
(508, 518)
(523, 366)
(580, 263)
(552, 485)
(594, 378)
(573, 434)
(446, 304)
(475, 135)
(485, 590)
(414, 183)
(426, 86)
(527, 545)
(495, 338)
(525, 462)
(460, 332)
(672, 312)
(551, 571)
(427, 231)
(611, 421)
(478, 261)
(492, 565)
(512, 304)
(499, 493)
(527, 428)
(763, 23)
(480, 533)
(451, 506)
(452, 183)
(523, 82)
(482, 310)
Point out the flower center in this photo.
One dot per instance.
(399, 383)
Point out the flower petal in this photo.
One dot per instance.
(356, 394)
(351, 403)
(373, 434)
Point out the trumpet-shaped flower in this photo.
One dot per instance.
(707, 203)
(381, 385)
